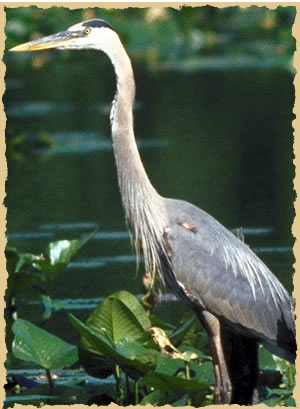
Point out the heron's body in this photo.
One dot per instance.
(238, 300)
(228, 279)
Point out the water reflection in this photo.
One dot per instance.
(37, 108)
(96, 262)
(74, 226)
(82, 143)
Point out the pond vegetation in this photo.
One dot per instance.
(151, 361)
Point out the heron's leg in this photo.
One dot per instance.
(223, 386)
(242, 359)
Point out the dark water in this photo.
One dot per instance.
(221, 140)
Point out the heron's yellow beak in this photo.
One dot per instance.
(60, 40)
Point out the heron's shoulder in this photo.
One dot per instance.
(211, 232)
(179, 210)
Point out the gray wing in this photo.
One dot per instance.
(219, 272)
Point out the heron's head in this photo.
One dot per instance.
(96, 34)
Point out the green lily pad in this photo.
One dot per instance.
(34, 344)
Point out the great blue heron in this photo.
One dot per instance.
(237, 299)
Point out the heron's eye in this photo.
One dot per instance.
(87, 31)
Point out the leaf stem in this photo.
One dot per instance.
(119, 390)
(187, 371)
(136, 388)
(50, 381)
(127, 388)
(188, 377)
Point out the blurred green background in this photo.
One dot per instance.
(166, 37)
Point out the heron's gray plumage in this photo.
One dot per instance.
(218, 271)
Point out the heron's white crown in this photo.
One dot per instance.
(100, 38)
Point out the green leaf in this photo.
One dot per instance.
(169, 375)
(98, 344)
(57, 256)
(182, 401)
(178, 336)
(17, 261)
(139, 354)
(47, 304)
(273, 401)
(11, 256)
(169, 383)
(123, 316)
(95, 364)
(156, 322)
(34, 344)
(290, 402)
(281, 364)
(94, 341)
(266, 359)
(21, 281)
(87, 236)
(153, 398)
(169, 366)
(20, 266)
(128, 354)
(290, 374)
(278, 391)
(202, 373)
(279, 396)
(38, 396)
(26, 260)
(160, 398)
(189, 349)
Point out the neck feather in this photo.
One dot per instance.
(144, 207)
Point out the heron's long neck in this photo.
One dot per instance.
(143, 205)
(131, 172)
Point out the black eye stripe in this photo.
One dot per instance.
(96, 23)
